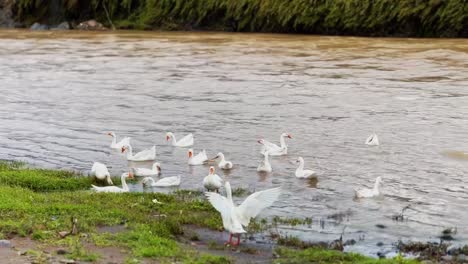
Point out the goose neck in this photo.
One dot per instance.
(124, 183)
(283, 142)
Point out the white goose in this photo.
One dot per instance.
(300, 172)
(115, 189)
(199, 159)
(265, 165)
(223, 163)
(368, 193)
(101, 172)
(155, 170)
(235, 217)
(186, 141)
(212, 182)
(118, 146)
(144, 155)
(372, 140)
(164, 182)
(274, 149)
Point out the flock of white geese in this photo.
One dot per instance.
(235, 218)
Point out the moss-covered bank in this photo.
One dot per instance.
(38, 204)
(416, 18)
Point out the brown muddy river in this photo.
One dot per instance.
(61, 92)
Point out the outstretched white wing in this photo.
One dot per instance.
(255, 203)
(222, 205)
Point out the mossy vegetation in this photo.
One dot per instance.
(320, 255)
(431, 18)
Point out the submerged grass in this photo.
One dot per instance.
(320, 255)
(431, 18)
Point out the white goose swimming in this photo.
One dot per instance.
(300, 172)
(368, 193)
(273, 149)
(212, 182)
(235, 217)
(118, 146)
(265, 165)
(101, 172)
(199, 159)
(115, 189)
(164, 182)
(144, 155)
(372, 140)
(186, 141)
(155, 170)
(223, 163)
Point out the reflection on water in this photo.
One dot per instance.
(61, 93)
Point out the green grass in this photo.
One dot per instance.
(430, 18)
(41, 203)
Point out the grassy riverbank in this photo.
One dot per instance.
(39, 204)
(431, 18)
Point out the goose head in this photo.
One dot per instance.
(190, 153)
(128, 175)
(300, 160)
(286, 135)
(169, 135)
(157, 166)
(219, 155)
(112, 134)
(212, 170)
(146, 181)
(261, 141)
(379, 180)
(124, 148)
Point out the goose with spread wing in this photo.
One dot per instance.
(235, 218)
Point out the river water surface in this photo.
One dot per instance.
(61, 93)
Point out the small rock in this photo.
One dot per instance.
(91, 25)
(381, 255)
(63, 234)
(67, 261)
(62, 26)
(462, 258)
(38, 26)
(379, 244)
(5, 244)
(447, 258)
(350, 242)
(61, 251)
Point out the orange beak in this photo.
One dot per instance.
(190, 154)
(211, 170)
(167, 138)
(159, 168)
(123, 149)
(259, 141)
(109, 134)
(130, 175)
(289, 136)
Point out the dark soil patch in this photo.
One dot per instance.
(212, 242)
